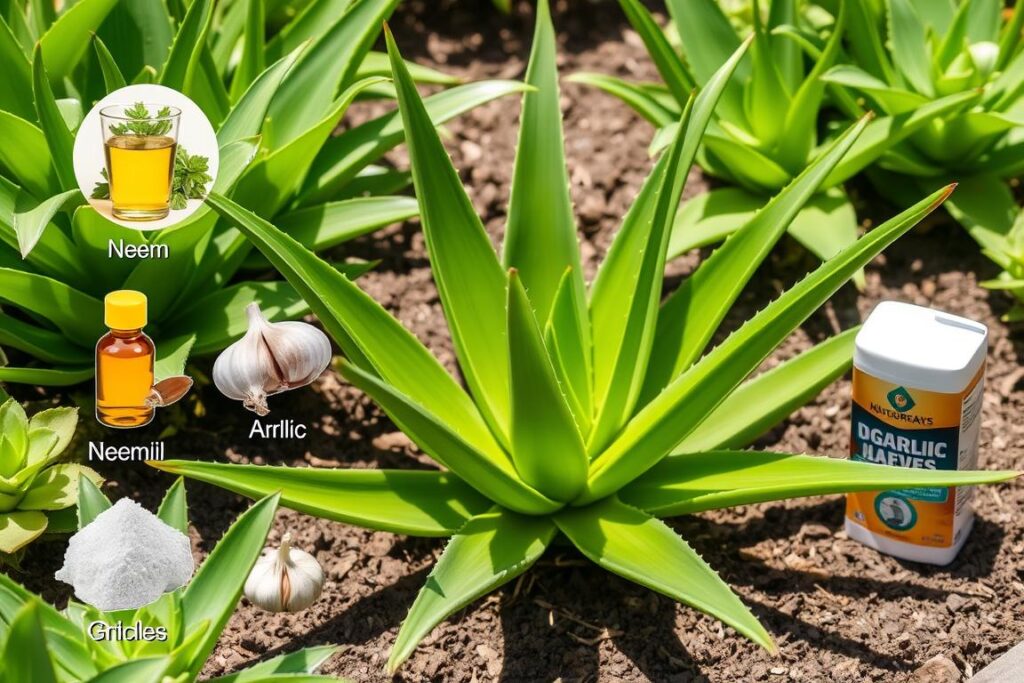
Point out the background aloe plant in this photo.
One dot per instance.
(43, 645)
(274, 103)
(909, 55)
(768, 126)
(36, 490)
(589, 414)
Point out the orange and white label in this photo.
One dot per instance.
(908, 427)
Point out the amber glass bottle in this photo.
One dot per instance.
(124, 362)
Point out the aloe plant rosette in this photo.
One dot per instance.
(274, 103)
(43, 645)
(589, 414)
(909, 55)
(767, 126)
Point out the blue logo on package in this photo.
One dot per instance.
(901, 400)
(895, 511)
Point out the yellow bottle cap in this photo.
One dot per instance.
(124, 309)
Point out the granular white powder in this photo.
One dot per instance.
(126, 558)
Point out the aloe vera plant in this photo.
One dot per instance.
(274, 103)
(43, 645)
(34, 487)
(1007, 251)
(909, 55)
(766, 127)
(589, 414)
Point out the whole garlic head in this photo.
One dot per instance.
(285, 580)
(269, 359)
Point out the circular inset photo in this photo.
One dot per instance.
(145, 156)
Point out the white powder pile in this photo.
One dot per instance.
(126, 558)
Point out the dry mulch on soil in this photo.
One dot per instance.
(839, 611)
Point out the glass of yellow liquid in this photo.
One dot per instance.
(140, 141)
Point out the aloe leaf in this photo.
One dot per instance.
(540, 208)
(279, 668)
(641, 101)
(986, 207)
(491, 549)
(378, 64)
(799, 138)
(883, 134)
(891, 99)
(570, 351)
(1010, 37)
(67, 39)
(30, 223)
(58, 138)
(708, 41)
(750, 168)
(138, 33)
(414, 502)
(183, 60)
(91, 502)
(173, 510)
(147, 670)
(214, 590)
(373, 181)
(367, 333)
(77, 315)
(271, 181)
(692, 313)
(469, 279)
(113, 79)
(827, 225)
(490, 473)
(344, 156)
(628, 542)
(252, 61)
(765, 99)
(983, 20)
(710, 217)
(760, 403)
(92, 235)
(683, 484)
(277, 301)
(171, 356)
(692, 396)
(624, 297)
(785, 53)
(670, 67)
(328, 65)
(625, 293)
(47, 377)
(911, 52)
(16, 95)
(311, 23)
(246, 118)
(547, 447)
(25, 652)
(327, 225)
(207, 89)
(25, 154)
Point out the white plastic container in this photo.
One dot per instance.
(918, 381)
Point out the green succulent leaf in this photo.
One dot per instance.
(67, 39)
(490, 550)
(761, 402)
(285, 668)
(547, 446)
(16, 95)
(419, 503)
(113, 79)
(56, 488)
(183, 61)
(911, 51)
(25, 652)
(25, 154)
(29, 223)
(671, 68)
(213, 592)
(58, 138)
(628, 542)
(91, 501)
(691, 397)
(640, 99)
(688, 483)
(19, 528)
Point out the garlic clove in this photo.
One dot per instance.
(269, 359)
(285, 580)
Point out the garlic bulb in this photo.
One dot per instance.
(269, 359)
(285, 580)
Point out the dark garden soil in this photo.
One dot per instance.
(839, 611)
